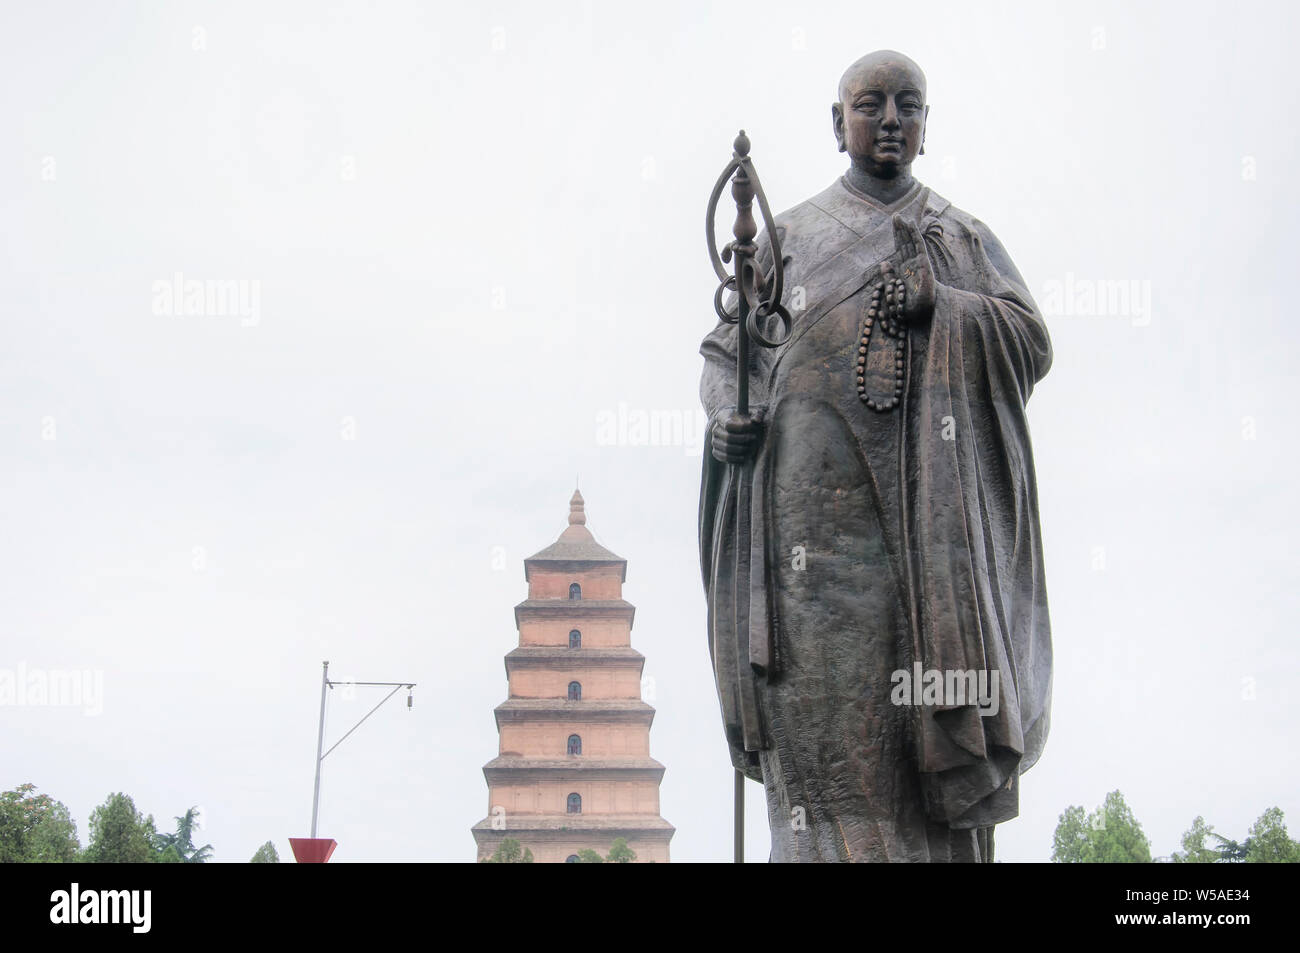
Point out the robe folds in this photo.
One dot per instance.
(904, 541)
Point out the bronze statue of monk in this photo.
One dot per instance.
(897, 553)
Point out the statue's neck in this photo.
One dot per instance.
(885, 191)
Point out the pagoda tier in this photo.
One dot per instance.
(574, 770)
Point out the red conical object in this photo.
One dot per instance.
(312, 850)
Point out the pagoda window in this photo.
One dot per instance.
(571, 859)
(575, 744)
(575, 639)
(575, 591)
(575, 691)
(575, 803)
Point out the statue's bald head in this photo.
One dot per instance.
(881, 62)
(879, 119)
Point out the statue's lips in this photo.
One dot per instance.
(886, 143)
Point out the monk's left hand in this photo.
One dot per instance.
(912, 266)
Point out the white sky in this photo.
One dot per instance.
(477, 228)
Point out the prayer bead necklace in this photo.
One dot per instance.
(894, 293)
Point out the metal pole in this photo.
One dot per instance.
(740, 819)
(320, 743)
(745, 230)
(762, 298)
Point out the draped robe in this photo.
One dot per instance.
(881, 541)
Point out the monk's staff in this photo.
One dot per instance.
(756, 301)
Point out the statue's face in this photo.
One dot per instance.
(880, 119)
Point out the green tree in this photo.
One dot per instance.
(1109, 835)
(1118, 837)
(1195, 850)
(35, 828)
(266, 854)
(589, 856)
(510, 851)
(1230, 851)
(119, 834)
(620, 853)
(1070, 841)
(1268, 841)
(183, 839)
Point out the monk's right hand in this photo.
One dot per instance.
(736, 436)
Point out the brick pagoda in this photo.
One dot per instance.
(574, 769)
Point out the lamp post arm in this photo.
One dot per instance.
(325, 685)
(398, 686)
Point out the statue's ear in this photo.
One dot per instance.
(837, 123)
(925, 122)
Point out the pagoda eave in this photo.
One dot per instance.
(543, 824)
(572, 565)
(558, 657)
(505, 769)
(611, 610)
(580, 712)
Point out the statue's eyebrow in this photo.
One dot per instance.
(877, 91)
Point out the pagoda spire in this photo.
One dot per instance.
(576, 531)
(577, 511)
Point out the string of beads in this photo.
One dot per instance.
(889, 314)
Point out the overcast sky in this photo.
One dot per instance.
(468, 235)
